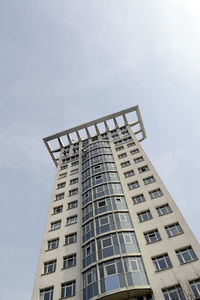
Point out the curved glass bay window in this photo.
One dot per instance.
(113, 275)
(90, 283)
(116, 243)
(107, 230)
(112, 221)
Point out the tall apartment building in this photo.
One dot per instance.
(113, 231)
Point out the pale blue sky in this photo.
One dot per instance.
(66, 62)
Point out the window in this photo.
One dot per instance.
(72, 204)
(104, 220)
(163, 210)
(155, 193)
(68, 289)
(122, 155)
(98, 179)
(133, 185)
(143, 169)
(62, 175)
(104, 136)
(144, 216)
(138, 199)
(69, 261)
(88, 250)
(61, 185)
(57, 209)
(73, 181)
(46, 294)
(72, 220)
(110, 269)
(119, 148)
(174, 292)
(97, 167)
(73, 192)
(162, 262)
(195, 286)
(129, 173)
(139, 159)
(53, 244)
(131, 144)
(135, 151)
(71, 238)
(149, 180)
(75, 163)
(55, 225)
(95, 138)
(125, 164)
(101, 203)
(106, 242)
(60, 196)
(173, 229)
(186, 255)
(152, 236)
(63, 167)
(75, 171)
(50, 266)
(89, 280)
(115, 136)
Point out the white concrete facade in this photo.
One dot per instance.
(97, 181)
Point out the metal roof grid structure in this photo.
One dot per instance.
(94, 124)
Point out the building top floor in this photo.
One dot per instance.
(130, 117)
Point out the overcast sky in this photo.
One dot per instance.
(66, 62)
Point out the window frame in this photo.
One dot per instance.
(69, 236)
(155, 193)
(181, 254)
(47, 265)
(158, 260)
(48, 290)
(129, 174)
(163, 210)
(70, 218)
(65, 286)
(148, 236)
(133, 185)
(50, 242)
(73, 181)
(195, 287)
(147, 212)
(72, 202)
(57, 207)
(55, 225)
(138, 197)
(149, 180)
(143, 169)
(138, 159)
(174, 289)
(73, 192)
(67, 258)
(176, 227)
(125, 164)
(61, 185)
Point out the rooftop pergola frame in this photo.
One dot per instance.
(56, 142)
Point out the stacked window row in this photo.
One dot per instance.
(106, 223)
(115, 243)
(111, 273)
(68, 262)
(184, 255)
(68, 289)
(104, 205)
(99, 179)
